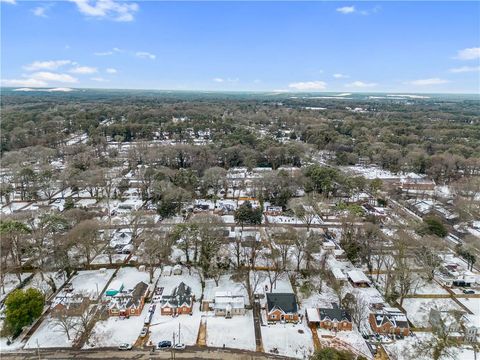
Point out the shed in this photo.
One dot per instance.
(115, 287)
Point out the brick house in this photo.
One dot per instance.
(126, 304)
(71, 305)
(282, 307)
(335, 318)
(179, 302)
(389, 321)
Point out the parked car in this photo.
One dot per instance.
(144, 332)
(68, 287)
(164, 344)
(125, 346)
(179, 346)
(152, 307)
(468, 291)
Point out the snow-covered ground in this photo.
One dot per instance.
(294, 340)
(406, 349)
(225, 284)
(348, 340)
(49, 334)
(91, 282)
(11, 282)
(170, 282)
(130, 276)
(237, 332)
(115, 331)
(418, 310)
(374, 172)
(41, 284)
(163, 327)
(103, 259)
(17, 344)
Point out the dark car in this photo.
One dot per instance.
(164, 344)
(468, 291)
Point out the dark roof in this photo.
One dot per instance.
(182, 294)
(283, 301)
(138, 292)
(334, 314)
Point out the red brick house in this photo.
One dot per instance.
(126, 304)
(179, 302)
(335, 319)
(389, 321)
(282, 307)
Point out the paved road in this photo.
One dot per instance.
(112, 353)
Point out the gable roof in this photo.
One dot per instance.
(335, 314)
(182, 294)
(285, 302)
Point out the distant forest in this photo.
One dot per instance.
(438, 136)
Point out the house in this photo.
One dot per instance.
(226, 304)
(416, 184)
(455, 323)
(273, 210)
(179, 302)
(71, 305)
(129, 303)
(282, 307)
(335, 318)
(358, 278)
(114, 288)
(389, 321)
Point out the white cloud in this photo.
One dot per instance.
(427, 82)
(23, 82)
(107, 9)
(469, 54)
(40, 11)
(340, 76)
(13, 2)
(360, 84)
(46, 65)
(83, 70)
(103, 53)
(346, 9)
(465, 69)
(218, 80)
(308, 85)
(99, 79)
(145, 55)
(56, 77)
(111, 71)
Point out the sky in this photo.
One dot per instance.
(330, 46)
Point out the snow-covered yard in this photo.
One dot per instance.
(163, 327)
(294, 340)
(170, 282)
(130, 276)
(418, 309)
(237, 332)
(91, 282)
(49, 335)
(41, 284)
(225, 284)
(115, 331)
(104, 260)
(10, 283)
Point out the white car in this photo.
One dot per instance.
(125, 346)
(179, 346)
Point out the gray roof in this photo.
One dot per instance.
(335, 314)
(283, 301)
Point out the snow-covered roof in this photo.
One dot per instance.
(313, 315)
(358, 276)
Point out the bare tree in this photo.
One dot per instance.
(64, 322)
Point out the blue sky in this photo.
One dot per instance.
(287, 46)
